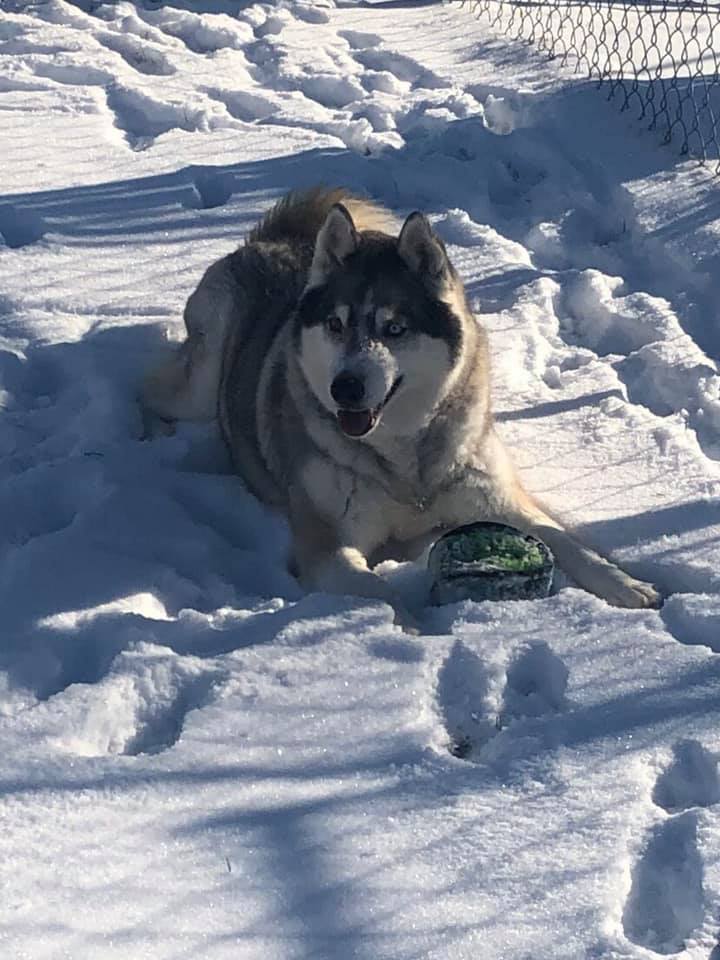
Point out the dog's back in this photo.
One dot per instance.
(297, 218)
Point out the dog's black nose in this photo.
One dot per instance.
(347, 391)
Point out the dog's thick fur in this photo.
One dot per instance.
(351, 383)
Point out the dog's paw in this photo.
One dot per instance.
(647, 595)
(622, 590)
(346, 573)
(405, 620)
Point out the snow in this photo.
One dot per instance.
(196, 760)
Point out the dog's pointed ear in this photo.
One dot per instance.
(336, 240)
(422, 251)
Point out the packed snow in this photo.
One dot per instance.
(196, 759)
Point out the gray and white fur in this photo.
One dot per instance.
(351, 382)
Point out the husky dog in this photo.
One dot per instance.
(351, 382)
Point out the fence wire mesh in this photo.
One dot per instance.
(660, 59)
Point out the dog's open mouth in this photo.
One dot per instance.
(359, 423)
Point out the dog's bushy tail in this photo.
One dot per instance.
(300, 214)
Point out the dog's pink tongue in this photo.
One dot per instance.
(355, 423)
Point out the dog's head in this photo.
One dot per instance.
(380, 325)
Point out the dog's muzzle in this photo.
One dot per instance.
(359, 423)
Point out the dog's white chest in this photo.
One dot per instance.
(353, 501)
(368, 513)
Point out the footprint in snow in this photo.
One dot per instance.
(658, 364)
(401, 66)
(691, 780)
(534, 686)
(37, 399)
(19, 226)
(142, 119)
(666, 904)
(270, 27)
(694, 618)
(331, 91)
(310, 13)
(196, 33)
(358, 40)
(399, 651)
(242, 104)
(141, 706)
(159, 724)
(463, 697)
(71, 74)
(210, 189)
(137, 53)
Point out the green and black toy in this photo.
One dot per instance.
(489, 561)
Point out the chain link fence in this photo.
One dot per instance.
(659, 59)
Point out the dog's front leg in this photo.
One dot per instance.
(590, 570)
(322, 561)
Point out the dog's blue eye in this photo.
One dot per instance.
(334, 324)
(395, 330)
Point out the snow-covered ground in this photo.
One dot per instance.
(196, 761)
